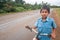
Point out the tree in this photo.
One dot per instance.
(20, 1)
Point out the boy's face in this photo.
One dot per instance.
(44, 13)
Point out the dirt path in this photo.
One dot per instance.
(14, 28)
(10, 17)
(57, 20)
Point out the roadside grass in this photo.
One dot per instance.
(2, 14)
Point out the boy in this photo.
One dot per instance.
(45, 25)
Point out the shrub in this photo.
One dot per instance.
(19, 9)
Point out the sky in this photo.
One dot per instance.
(51, 2)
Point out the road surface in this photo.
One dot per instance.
(12, 27)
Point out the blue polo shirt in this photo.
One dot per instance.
(45, 26)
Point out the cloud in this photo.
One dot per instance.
(52, 2)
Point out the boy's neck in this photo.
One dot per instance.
(44, 19)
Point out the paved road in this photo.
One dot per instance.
(12, 26)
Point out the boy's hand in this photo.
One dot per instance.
(53, 35)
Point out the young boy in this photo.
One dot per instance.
(45, 25)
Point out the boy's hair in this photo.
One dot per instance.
(45, 7)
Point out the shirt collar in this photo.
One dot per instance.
(47, 19)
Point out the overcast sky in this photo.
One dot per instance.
(52, 2)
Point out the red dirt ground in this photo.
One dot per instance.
(57, 20)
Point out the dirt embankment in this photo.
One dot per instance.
(57, 20)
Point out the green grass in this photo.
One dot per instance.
(2, 14)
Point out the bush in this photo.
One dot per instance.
(20, 9)
(2, 11)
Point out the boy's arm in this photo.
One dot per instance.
(53, 35)
(54, 26)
